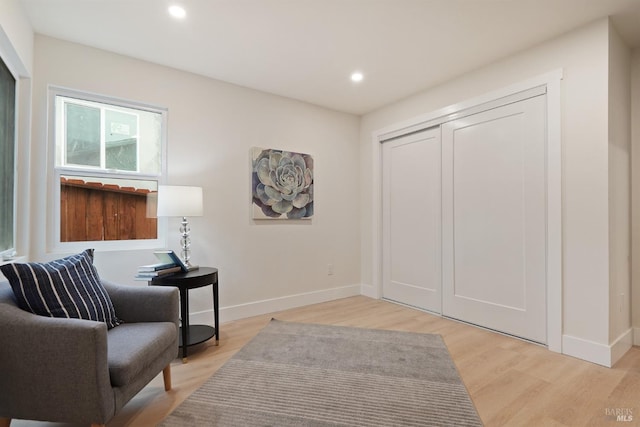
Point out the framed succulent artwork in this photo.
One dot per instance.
(281, 184)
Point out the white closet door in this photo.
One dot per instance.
(412, 261)
(494, 219)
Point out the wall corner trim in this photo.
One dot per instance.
(370, 291)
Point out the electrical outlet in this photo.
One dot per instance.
(330, 269)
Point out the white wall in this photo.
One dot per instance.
(619, 193)
(583, 56)
(16, 35)
(211, 127)
(635, 193)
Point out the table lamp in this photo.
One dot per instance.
(181, 201)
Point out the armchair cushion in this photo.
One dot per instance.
(126, 361)
(67, 287)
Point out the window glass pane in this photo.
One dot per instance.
(7, 157)
(99, 135)
(96, 208)
(82, 135)
(121, 140)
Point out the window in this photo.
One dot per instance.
(7, 158)
(108, 161)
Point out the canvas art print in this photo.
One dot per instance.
(282, 184)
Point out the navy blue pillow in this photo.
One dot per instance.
(67, 287)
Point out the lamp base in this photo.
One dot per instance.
(185, 242)
(191, 267)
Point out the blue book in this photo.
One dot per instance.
(155, 267)
(168, 256)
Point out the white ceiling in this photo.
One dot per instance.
(306, 49)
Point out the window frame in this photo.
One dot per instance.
(54, 244)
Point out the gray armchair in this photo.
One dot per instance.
(72, 370)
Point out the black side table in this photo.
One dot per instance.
(193, 334)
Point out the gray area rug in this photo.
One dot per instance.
(295, 374)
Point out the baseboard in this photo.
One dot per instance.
(242, 311)
(605, 355)
(621, 346)
(586, 350)
(636, 336)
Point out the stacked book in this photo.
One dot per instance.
(151, 271)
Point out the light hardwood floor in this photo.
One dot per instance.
(511, 382)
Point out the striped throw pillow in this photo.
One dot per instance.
(67, 287)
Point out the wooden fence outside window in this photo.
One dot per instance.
(92, 211)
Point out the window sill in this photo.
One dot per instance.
(9, 260)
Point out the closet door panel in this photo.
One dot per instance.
(494, 219)
(412, 220)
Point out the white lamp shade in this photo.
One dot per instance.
(176, 200)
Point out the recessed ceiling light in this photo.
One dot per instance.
(357, 76)
(177, 11)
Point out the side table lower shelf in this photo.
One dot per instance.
(197, 334)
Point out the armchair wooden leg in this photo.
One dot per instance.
(5, 422)
(166, 376)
